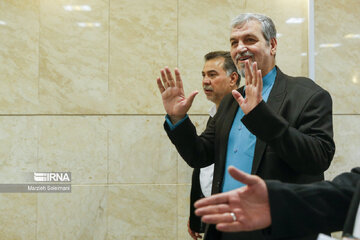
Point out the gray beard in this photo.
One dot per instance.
(242, 73)
(242, 70)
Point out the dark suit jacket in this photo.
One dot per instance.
(300, 210)
(293, 129)
(196, 194)
(353, 208)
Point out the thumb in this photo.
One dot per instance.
(242, 176)
(238, 97)
(191, 97)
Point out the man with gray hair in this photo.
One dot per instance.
(277, 126)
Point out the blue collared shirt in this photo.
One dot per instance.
(241, 143)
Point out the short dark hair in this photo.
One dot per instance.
(228, 66)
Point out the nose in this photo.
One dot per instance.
(206, 80)
(241, 48)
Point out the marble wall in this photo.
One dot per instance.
(337, 40)
(78, 94)
(337, 56)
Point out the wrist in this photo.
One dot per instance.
(175, 118)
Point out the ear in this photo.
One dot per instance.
(273, 46)
(233, 79)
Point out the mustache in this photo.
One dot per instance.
(208, 87)
(245, 54)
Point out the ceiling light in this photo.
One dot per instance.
(295, 20)
(89, 24)
(352, 35)
(354, 80)
(330, 45)
(77, 8)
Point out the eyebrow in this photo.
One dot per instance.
(247, 35)
(211, 71)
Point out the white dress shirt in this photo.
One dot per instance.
(206, 173)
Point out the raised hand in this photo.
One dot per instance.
(242, 209)
(172, 92)
(253, 88)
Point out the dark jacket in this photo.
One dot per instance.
(301, 210)
(294, 133)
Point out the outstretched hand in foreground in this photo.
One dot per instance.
(243, 209)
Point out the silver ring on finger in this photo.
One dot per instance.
(233, 216)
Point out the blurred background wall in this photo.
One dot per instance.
(78, 94)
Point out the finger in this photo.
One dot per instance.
(230, 227)
(191, 97)
(164, 79)
(242, 176)
(169, 77)
(198, 235)
(212, 209)
(218, 218)
(260, 81)
(192, 235)
(238, 97)
(160, 86)
(178, 82)
(190, 232)
(248, 73)
(255, 79)
(214, 199)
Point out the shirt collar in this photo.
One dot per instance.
(269, 78)
(212, 111)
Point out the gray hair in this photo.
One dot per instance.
(267, 25)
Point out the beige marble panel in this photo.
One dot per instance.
(140, 211)
(337, 63)
(74, 56)
(292, 39)
(203, 29)
(18, 216)
(140, 151)
(347, 140)
(18, 148)
(75, 144)
(143, 39)
(19, 47)
(80, 214)
(183, 211)
(184, 170)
